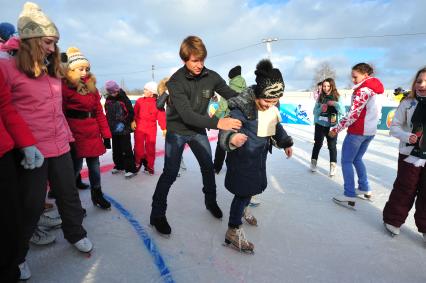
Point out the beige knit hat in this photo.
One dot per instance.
(76, 58)
(32, 22)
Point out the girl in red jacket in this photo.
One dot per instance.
(146, 117)
(87, 121)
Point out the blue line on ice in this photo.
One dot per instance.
(148, 242)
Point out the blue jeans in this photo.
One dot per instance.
(353, 149)
(174, 146)
(93, 165)
(237, 209)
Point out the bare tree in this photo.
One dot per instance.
(323, 71)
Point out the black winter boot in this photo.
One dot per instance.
(161, 224)
(214, 209)
(98, 198)
(80, 185)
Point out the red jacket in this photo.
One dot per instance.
(88, 132)
(14, 132)
(147, 115)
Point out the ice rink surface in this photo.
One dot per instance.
(302, 236)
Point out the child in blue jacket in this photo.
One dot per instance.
(248, 149)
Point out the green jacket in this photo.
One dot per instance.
(238, 84)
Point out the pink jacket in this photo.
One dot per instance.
(39, 102)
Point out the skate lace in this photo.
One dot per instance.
(241, 237)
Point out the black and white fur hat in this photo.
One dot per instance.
(269, 81)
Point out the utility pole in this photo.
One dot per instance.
(153, 69)
(268, 42)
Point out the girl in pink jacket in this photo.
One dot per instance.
(34, 78)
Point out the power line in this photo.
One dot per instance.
(279, 39)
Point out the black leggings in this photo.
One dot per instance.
(320, 133)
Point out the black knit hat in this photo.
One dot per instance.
(269, 81)
(236, 71)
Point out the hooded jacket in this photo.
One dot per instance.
(238, 84)
(119, 113)
(39, 102)
(246, 165)
(87, 132)
(365, 110)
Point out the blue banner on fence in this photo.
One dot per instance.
(295, 114)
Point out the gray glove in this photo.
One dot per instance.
(33, 157)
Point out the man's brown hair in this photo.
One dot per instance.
(192, 45)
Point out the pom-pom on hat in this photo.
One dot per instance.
(269, 81)
(6, 31)
(76, 58)
(111, 86)
(151, 86)
(236, 71)
(32, 22)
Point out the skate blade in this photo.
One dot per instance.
(363, 197)
(344, 204)
(232, 246)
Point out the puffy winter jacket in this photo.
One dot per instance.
(88, 132)
(119, 113)
(39, 102)
(246, 165)
(14, 132)
(365, 110)
(147, 115)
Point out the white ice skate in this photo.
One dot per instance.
(333, 167)
(313, 165)
(348, 202)
(25, 271)
(129, 175)
(364, 195)
(394, 231)
(84, 245)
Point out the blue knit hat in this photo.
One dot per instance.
(6, 31)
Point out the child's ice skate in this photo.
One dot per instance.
(394, 231)
(313, 165)
(333, 167)
(348, 202)
(364, 195)
(237, 239)
(249, 218)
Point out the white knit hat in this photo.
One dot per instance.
(32, 22)
(151, 86)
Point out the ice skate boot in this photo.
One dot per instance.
(84, 245)
(237, 239)
(161, 225)
(116, 171)
(79, 183)
(313, 165)
(129, 175)
(98, 198)
(249, 218)
(25, 271)
(41, 237)
(348, 202)
(49, 222)
(333, 167)
(394, 231)
(364, 195)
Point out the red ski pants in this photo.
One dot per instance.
(409, 186)
(145, 147)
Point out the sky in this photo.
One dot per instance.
(123, 39)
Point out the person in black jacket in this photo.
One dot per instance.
(119, 113)
(248, 149)
(190, 88)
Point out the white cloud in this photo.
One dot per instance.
(127, 37)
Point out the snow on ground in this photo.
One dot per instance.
(302, 235)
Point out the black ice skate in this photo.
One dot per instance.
(348, 202)
(214, 209)
(98, 199)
